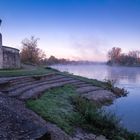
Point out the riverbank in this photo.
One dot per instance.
(71, 102)
(122, 65)
(73, 113)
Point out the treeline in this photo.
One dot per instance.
(116, 57)
(31, 54)
(52, 60)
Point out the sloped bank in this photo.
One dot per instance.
(69, 102)
(80, 118)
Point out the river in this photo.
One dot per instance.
(126, 108)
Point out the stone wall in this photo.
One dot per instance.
(1, 52)
(11, 58)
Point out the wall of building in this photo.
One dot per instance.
(1, 52)
(11, 58)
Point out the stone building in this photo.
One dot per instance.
(9, 57)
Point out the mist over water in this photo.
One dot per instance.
(127, 108)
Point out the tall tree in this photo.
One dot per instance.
(30, 52)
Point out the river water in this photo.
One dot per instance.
(126, 108)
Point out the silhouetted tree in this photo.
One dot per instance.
(135, 55)
(52, 60)
(30, 52)
(114, 55)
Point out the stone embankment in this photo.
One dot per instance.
(18, 122)
(24, 88)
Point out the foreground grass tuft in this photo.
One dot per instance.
(99, 121)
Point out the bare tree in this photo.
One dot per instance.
(114, 55)
(30, 52)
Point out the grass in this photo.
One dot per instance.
(99, 121)
(24, 72)
(66, 109)
(55, 106)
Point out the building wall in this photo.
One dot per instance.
(11, 58)
(1, 52)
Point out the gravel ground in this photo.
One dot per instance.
(17, 122)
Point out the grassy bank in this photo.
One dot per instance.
(66, 109)
(24, 72)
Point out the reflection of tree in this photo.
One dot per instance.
(128, 74)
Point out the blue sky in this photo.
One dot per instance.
(75, 29)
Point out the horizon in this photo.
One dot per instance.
(75, 30)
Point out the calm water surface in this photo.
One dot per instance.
(127, 108)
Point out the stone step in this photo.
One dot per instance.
(100, 96)
(86, 89)
(20, 81)
(13, 88)
(78, 83)
(37, 91)
(24, 79)
(19, 91)
(83, 85)
(4, 84)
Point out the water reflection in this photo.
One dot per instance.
(124, 74)
(128, 77)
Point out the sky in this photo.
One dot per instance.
(74, 29)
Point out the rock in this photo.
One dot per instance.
(87, 89)
(56, 133)
(89, 137)
(92, 136)
(100, 96)
(119, 92)
(80, 134)
(101, 137)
